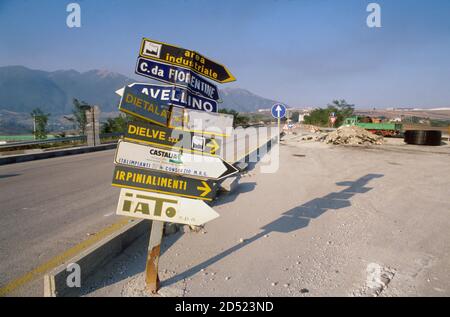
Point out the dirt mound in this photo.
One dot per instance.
(353, 135)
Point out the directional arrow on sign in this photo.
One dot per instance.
(186, 58)
(172, 161)
(205, 188)
(172, 95)
(162, 182)
(278, 111)
(148, 133)
(155, 206)
(213, 145)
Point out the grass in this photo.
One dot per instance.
(21, 137)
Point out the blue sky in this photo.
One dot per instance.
(304, 53)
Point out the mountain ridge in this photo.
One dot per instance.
(23, 89)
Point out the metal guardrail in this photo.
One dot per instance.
(39, 142)
(56, 140)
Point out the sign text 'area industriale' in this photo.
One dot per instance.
(185, 58)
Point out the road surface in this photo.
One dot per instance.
(48, 206)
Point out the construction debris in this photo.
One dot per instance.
(316, 137)
(311, 128)
(353, 135)
(378, 278)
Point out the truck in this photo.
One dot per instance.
(374, 125)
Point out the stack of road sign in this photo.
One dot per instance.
(167, 164)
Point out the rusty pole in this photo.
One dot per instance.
(154, 249)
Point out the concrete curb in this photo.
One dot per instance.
(242, 164)
(93, 259)
(56, 153)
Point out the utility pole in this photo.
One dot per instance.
(92, 128)
(93, 122)
(34, 126)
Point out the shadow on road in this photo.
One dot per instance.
(240, 189)
(8, 175)
(291, 220)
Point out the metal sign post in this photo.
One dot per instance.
(279, 123)
(278, 111)
(154, 250)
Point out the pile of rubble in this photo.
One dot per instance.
(353, 135)
(311, 128)
(315, 137)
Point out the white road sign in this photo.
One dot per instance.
(172, 161)
(155, 206)
(201, 122)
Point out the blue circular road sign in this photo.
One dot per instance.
(278, 111)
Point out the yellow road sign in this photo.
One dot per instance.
(185, 58)
(154, 181)
(152, 134)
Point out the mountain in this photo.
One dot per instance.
(243, 100)
(23, 89)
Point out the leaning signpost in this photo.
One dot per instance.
(168, 164)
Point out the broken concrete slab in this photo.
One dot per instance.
(229, 184)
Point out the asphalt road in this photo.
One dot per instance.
(48, 206)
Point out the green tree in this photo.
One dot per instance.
(79, 112)
(40, 120)
(117, 124)
(238, 119)
(320, 116)
(343, 110)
